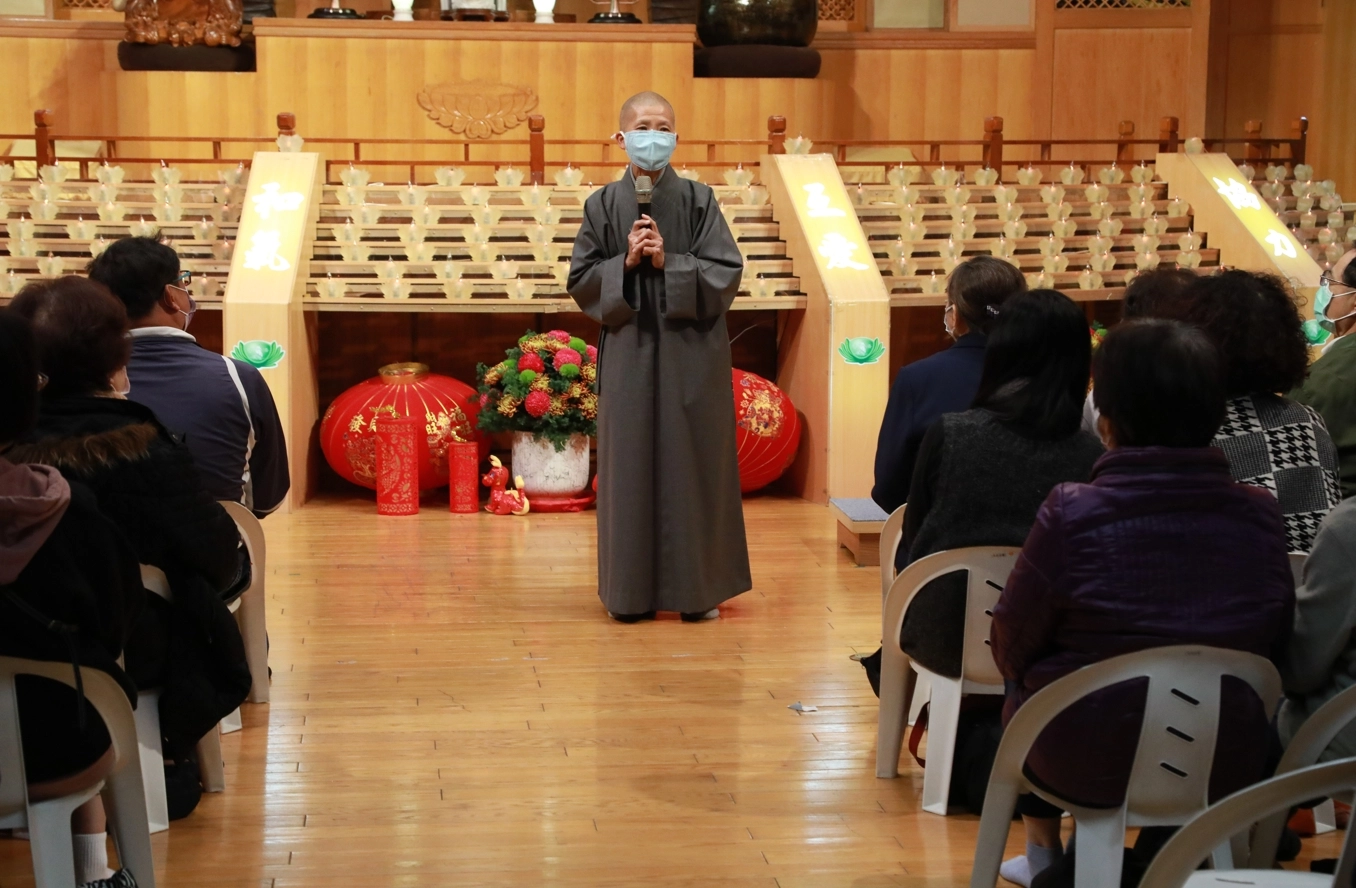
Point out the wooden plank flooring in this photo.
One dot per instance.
(450, 706)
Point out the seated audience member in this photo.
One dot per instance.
(1270, 441)
(60, 561)
(1321, 662)
(1162, 547)
(222, 407)
(145, 482)
(1331, 386)
(945, 382)
(1152, 294)
(982, 475)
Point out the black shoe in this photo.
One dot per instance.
(183, 789)
(121, 879)
(871, 664)
(712, 614)
(631, 618)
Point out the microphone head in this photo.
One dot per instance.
(644, 188)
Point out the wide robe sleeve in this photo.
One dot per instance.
(701, 284)
(598, 281)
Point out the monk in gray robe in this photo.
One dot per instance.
(670, 518)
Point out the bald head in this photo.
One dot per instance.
(647, 108)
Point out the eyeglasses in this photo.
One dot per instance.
(184, 279)
(1348, 289)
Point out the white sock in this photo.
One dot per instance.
(1021, 870)
(91, 857)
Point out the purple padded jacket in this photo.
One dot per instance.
(1162, 547)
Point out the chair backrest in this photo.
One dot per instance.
(1180, 857)
(252, 532)
(1314, 736)
(988, 568)
(1297, 560)
(154, 579)
(101, 691)
(1170, 777)
(891, 535)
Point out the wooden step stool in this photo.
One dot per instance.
(859, 525)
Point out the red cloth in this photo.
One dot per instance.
(398, 465)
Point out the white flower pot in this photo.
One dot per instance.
(548, 472)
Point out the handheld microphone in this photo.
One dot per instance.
(644, 189)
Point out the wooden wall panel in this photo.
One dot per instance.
(928, 93)
(66, 75)
(1274, 59)
(1106, 75)
(1333, 146)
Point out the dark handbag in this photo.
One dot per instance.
(978, 733)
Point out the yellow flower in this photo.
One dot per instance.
(508, 405)
(588, 372)
(557, 407)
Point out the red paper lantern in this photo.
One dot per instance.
(446, 407)
(767, 430)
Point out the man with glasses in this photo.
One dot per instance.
(1331, 386)
(221, 406)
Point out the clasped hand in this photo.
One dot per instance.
(644, 240)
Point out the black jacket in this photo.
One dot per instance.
(86, 577)
(942, 383)
(146, 484)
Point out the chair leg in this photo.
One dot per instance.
(231, 723)
(922, 691)
(943, 723)
(50, 843)
(895, 677)
(126, 806)
(152, 760)
(252, 619)
(211, 770)
(1325, 818)
(1101, 849)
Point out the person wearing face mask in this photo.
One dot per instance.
(222, 407)
(655, 264)
(942, 383)
(145, 482)
(1331, 386)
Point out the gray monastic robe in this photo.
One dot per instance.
(670, 518)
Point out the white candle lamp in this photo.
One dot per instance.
(81, 230)
(1097, 192)
(449, 177)
(504, 269)
(1001, 248)
(1112, 175)
(738, 177)
(1029, 176)
(1071, 175)
(1055, 264)
(933, 285)
(43, 211)
(1142, 174)
(956, 194)
(1089, 280)
(166, 175)
(396, 288)
(50, 266)
(223, 249)
(962, 231)
(1064, 228)
(6, 172)
(943, 177)
(354, 252)
(1177, 208)
(205, 230)
(53, 174)
(570, 177)
(1052, 193)
(413, 233)
(903, 176)
(985, 177)
(420, 252)
(1247, 171)
(97, 246)
(1110, 227)
(1146, 261)
(1051, 246)
(112, 212)
(683, 173)
(508, 177)
(23, 248)
(353, 177)
(798, 145)
(1015, 228)
(141, 228)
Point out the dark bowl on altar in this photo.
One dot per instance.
(769, 22)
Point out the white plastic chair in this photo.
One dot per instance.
(891, 536)
(251, 615)
(45, 809)
(1325, 813)
(1176, 863)
(1310, 740)
(211, 768)
(988, 568)
(1170, 777)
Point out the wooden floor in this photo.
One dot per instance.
(451, 707)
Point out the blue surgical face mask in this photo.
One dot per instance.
(650, 149)
(1321, 326)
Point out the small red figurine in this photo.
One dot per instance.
(502, 500)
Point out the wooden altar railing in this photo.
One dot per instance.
(993, 150)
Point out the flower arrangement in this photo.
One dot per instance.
(1097, 330)
(547, 385)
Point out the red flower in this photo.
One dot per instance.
(593, 354)
(559, 335)
(566, 356)
(537, 403)
(530, 361)
(484, 400)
